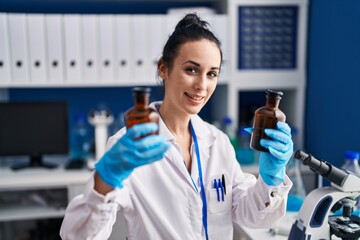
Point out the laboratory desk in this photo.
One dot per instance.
(36, 193)
(279, 231)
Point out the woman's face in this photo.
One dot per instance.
(193, 77)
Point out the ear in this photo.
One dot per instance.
(162, 69)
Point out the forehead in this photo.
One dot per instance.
(203, 52)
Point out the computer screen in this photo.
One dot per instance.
(33, 129)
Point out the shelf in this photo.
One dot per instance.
(75, 84)
(14, 213)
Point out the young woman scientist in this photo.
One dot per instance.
(184, 183)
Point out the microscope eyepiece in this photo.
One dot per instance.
(300, 155)
(323, 168)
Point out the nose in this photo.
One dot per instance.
(200, 84)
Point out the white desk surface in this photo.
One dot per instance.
(283, 227)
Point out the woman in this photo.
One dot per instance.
(184, 183)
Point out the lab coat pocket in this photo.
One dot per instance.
(218, 201)
(219, 217)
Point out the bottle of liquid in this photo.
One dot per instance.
(297, 193)
(351, 164)
(244, 154)
(141, 112)
(81, 139)
(266, 117)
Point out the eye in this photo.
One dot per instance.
(213, 74)
(191, 70)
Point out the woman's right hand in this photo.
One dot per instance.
(126, 154)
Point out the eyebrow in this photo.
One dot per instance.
(198, 64)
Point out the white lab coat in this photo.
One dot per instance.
(159, 201)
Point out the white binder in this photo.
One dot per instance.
(73, 62)
(210, 19)
(123, 57)
(157, 39)
(5, 73)
(107, 38)
(171, 21)
(55, 48)
(220, 27)
(37, 46)
(140, 49)
(90, 49)
(18, 48)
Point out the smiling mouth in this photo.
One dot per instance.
(194, 97)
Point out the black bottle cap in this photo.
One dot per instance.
(273, 93)
(141, 90)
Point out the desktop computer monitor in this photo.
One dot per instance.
(33, 129)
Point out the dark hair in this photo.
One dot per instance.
(190, 28)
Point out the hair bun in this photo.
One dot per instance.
(191, 20)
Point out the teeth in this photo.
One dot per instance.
(195, 97)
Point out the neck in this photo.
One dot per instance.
(178, 124)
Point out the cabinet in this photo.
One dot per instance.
(268, 39)
(86, 50)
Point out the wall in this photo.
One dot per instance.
(332, 109)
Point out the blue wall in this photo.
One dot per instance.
(332, 120)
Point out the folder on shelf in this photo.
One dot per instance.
(106, 38)
(140, 49)
(210, 19)
(72, 36)
(55, 48)
(36, 34)
(18, 48)
(90, 50)
(171, 21)
(220, 28)
(157, 39)
(5, 71)
(123, 42)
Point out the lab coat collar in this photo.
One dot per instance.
(205, 138)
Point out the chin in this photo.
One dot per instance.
(195, 110)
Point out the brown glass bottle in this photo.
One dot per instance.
(141, 112)
(266, 117)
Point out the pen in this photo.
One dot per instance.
(223, 183)
(222, 189)
(217, 190)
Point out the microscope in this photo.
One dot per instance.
(316, 219)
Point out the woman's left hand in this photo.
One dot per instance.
(272, 165)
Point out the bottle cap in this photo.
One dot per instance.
(352, 155)
(294, 130)
(273, 93)
(243, 132)
(141, 90)
(80, 118)
(227, 120)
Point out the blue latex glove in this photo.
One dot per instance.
(272, 165)
(126, 154)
